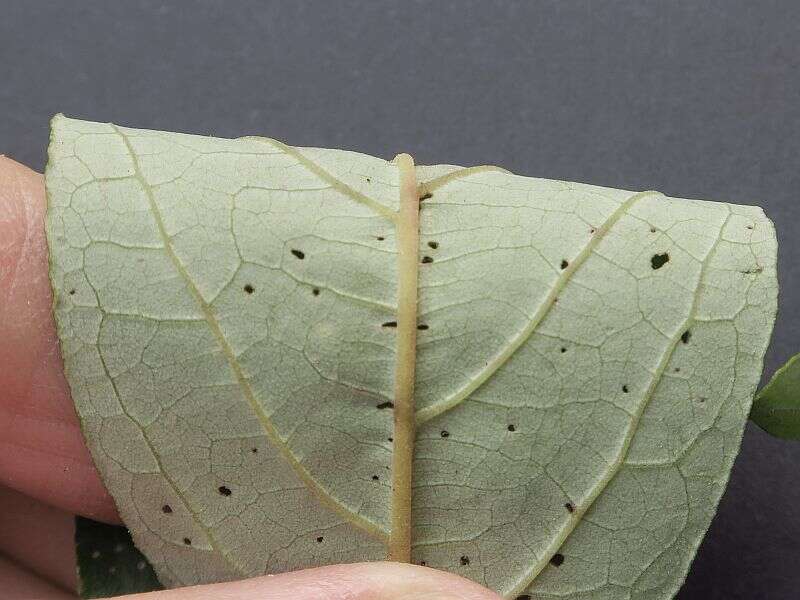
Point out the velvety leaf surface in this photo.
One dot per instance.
(228, 312)
(108, 562)
(777, 407)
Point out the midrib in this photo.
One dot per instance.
(404, 418)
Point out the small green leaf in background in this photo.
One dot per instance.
(777, 406)
(108, 562)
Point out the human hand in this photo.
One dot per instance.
(47, 475)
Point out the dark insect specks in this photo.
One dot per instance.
(511, 427)
(464, 561)
(427, 260)
(686, 336)
(564, 264)
(624, 389)
(659, 260)
(422, 327)
(224, 490)
(389, 324)
(570, 507)
(298, 253)
(166, 509)
(523, 597)
(385, 405)
(187, 541)
(426, 196)
(444, 433)
(557, 560)
(248, 288)
(375, 478)
(72, 292)
(315, 291)
(433, 245)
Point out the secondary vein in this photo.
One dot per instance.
(334, 181)
(437, 408)
(619, 460)
(269, 429)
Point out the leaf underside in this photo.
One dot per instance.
(230, 320)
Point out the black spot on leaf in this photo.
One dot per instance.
(564, 263)
(426, 196)
(187, 541)
(249, 289)
(315, 291)
(444, 433)
(686, 336)
(659, 260)
(464, 561)
(524, 597)
(72, 292)
(166, 509)
(563, 349)
(511, 427)
(433, 245)
(557, 560)
(570, 507)
(375, 478)
(380, 238)
(224, 490)
(299, 254)
(254, 450)
(384, 405)
(422, 563)
(624, 389)
(389, 324)
(652, 229)
(319, 539)
(427, 260)
(422, 327)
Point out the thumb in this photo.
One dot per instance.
(362, 581)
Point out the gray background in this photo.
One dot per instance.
(696, 99)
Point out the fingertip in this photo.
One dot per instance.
(360, 581)
(42, 452)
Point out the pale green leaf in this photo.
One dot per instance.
(777, 406)
(229, 319)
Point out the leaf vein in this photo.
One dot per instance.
(312, 485)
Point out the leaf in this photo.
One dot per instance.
(108, 562)
(777, 406)
(264, 346)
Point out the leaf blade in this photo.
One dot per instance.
(606, 381)
(777, 406)
(108, 562)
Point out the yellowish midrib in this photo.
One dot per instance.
(405, 361)
(633, 427)
(313, 486)
(442, 406)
